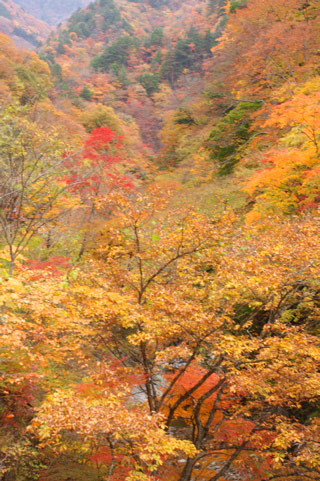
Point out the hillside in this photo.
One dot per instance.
(256, 121)
(51, 11)
(23, 28)
(160, 244)
(126, 54)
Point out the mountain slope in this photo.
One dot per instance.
(52, 11)
(206, 88)
(23, 28)
(142, 58)
(142, 339)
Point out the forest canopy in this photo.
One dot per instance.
(159, 244)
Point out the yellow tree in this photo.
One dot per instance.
(217, 326)
(101, 419)
(31, 189)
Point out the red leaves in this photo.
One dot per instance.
(102, 456)
(54, 266)
(101, 140)
(16, 403)
(191, 377)
(96, 164)
(234, 429)
(312, 173)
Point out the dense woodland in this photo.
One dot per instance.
(159, 244)
(26, 31)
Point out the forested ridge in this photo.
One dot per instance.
(51, 12)
(159, 244)
(27, 31)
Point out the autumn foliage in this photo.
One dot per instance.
(159, 245)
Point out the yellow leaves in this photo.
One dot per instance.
(129, 428)
(13, 285)
(181, 352)
(239, 320)
(285, 182)
(44, 432)
(140, 337)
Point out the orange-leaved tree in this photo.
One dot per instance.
(214, 325)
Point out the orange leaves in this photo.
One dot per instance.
(281, 185)
(272, 256)
(198, 328)
(290, 182)
(273, 44)
(302, 113)
(186, 382)
(205, 332)
(102, 417)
